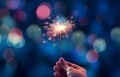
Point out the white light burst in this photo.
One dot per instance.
(58, 28)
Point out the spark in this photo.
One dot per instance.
(44, 42)
(58, 28)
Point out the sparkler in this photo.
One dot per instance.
(59, 29)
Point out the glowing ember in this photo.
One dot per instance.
(59, 28)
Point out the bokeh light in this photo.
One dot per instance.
(99, 45)
(43, 11)
(58, 5)
(59, 8)
(8, 54)
(91, 39)
(92, 56)
(14, 4)
(15, 36)
(78, 37)
(20, 44)
(79, 10)
(34, 31)
(4, 30)
(80, 48)
(115, 34)
(4, 12)
(20, 16)
(8, 20)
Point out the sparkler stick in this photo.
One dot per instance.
(60, 46)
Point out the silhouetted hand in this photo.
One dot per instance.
(66, 69)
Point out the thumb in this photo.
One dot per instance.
(72, 72)
(63, 64)
(70, 69)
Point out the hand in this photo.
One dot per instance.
(67, 69)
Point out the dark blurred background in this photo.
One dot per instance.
(94, 43)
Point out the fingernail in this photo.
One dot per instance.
(60, 58)
(62, 61)
(56, 63)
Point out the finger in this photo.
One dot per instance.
(59, 69)
(57, 74)
(63, 64)
(62, 71)
(56, 68)
(73, 65)
(57, 63)
(60, 66)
